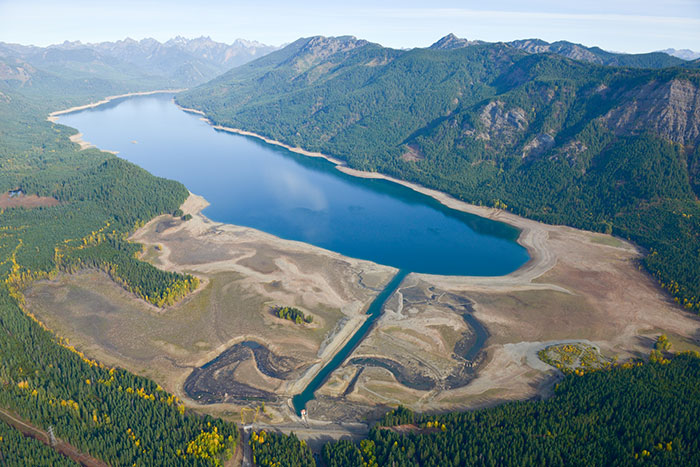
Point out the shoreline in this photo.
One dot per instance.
(78, 137)
(238, 131)
(534, 249)
(507, 365)
(533, 234)
(197, 226)
(527, 238)
(53, 116)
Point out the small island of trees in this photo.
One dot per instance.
(292, 314)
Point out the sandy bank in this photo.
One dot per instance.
(53, 116)
(533, 235)
(336, 343)
(578, 286)
(282, 271)
(201, 229)
(78, 137)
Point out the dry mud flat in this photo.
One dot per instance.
(442, 343)
(578, 287)
(222, 346)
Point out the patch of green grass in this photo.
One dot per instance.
(608, 240)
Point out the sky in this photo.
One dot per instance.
(619, 25)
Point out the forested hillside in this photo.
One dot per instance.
(574, 51)
(16, 449)
(612, 149)
(624, 416)
(629, 414)
(558, 140)
(96, 199)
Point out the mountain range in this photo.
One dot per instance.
(525, 128)
(179, 62)
(660, 59)
(581, 141)
(685, 54)
(558, 132)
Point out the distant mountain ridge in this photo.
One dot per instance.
(661, 59)
(450, 42)
(685, 54)
(177, 62)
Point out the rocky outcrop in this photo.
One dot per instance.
(15, 71)
(500, 124)
(319, 48)
(670, 109)
(451, 41)
(571, 150)
(567, 49)
(538, 145)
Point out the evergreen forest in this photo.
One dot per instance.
(108, 413)
(541, 135)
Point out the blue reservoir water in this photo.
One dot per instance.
(374, 311)
(254, 184)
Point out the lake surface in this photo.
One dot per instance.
(254, 184)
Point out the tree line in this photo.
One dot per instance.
(109, 413)
(625, 415)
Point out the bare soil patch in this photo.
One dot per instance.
(10, 200)
(580, 287)
(244, 273)
(412, 154)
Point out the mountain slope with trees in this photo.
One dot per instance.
(596, 55)
(98, 199)
(562, 141)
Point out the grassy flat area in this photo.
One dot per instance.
(244, 274)
(94, 312)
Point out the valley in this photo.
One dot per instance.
(442, 342)
(580, 286)
(472, 253)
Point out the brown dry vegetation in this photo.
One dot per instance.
(244, 273)
(25, 201)
(578, 287)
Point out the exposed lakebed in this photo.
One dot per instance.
(258, 185)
